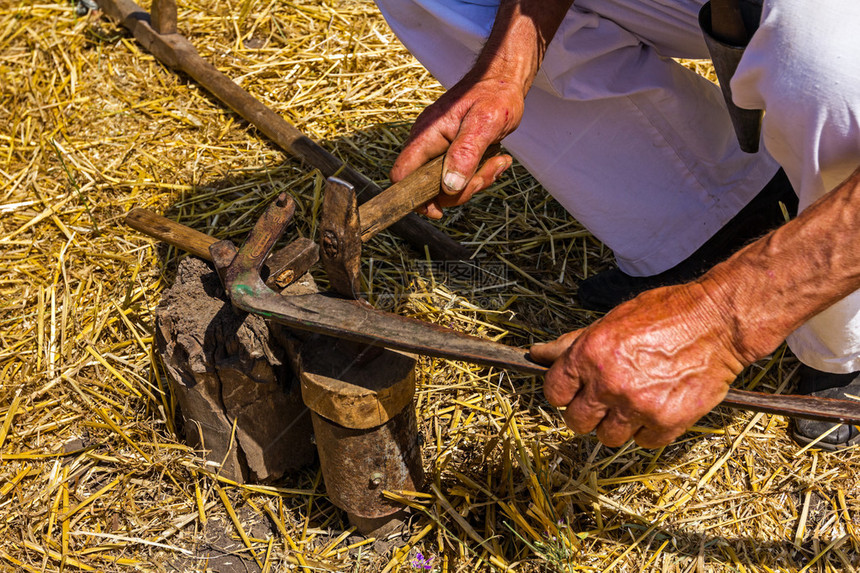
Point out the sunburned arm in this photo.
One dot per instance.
(653, 366)
(486, 105)
(777, 283)
(519, 39)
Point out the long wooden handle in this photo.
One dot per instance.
(177, 52)
(400, 199)
(170, 232)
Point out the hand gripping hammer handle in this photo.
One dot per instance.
(385, 209)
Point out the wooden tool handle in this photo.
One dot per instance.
(378, 213)
(170, 232)
(280, 269)
(177, 52)
(163, 17)
(727, 23)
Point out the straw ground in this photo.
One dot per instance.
(93, 476)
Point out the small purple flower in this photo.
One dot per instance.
(420, 562)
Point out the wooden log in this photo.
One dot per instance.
(353, 390)
(240, 402)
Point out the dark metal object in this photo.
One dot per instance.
(340, 239)
(358, 465)
(345, 226)
(280, 269)
(355, 320)
(176, 51)
(365, 427)
(724, 25)
(288, 264)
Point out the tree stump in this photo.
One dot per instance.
(240, 401)
(365, 427)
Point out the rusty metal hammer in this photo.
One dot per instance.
(345, 225)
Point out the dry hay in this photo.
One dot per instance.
(93, 477)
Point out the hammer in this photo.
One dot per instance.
(345, 226)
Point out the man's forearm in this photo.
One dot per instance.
(774, 285)
(521, 33)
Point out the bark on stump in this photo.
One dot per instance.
(230, 368)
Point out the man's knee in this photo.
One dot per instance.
(800, 57)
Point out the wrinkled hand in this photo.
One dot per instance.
(464, 122)
(647, 370)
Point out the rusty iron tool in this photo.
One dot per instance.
(157, 33)
(358, 321)
(345, 226)
(340, 238)
(279, 270)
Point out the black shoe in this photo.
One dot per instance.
(608, 289)
(826, 385)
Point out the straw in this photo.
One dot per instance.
(93, 476)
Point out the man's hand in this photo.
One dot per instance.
(654, 365)
(485, 106)
(647, 370)
(465, 121)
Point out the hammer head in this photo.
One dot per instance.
(340, 238)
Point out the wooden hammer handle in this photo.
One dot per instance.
(281, 268)
(423, 184)
(385, 209)
(170, 232)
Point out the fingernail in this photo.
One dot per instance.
(499, 171)
(454, 181)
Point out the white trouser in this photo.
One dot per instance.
(801, 68)
(640, 150)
